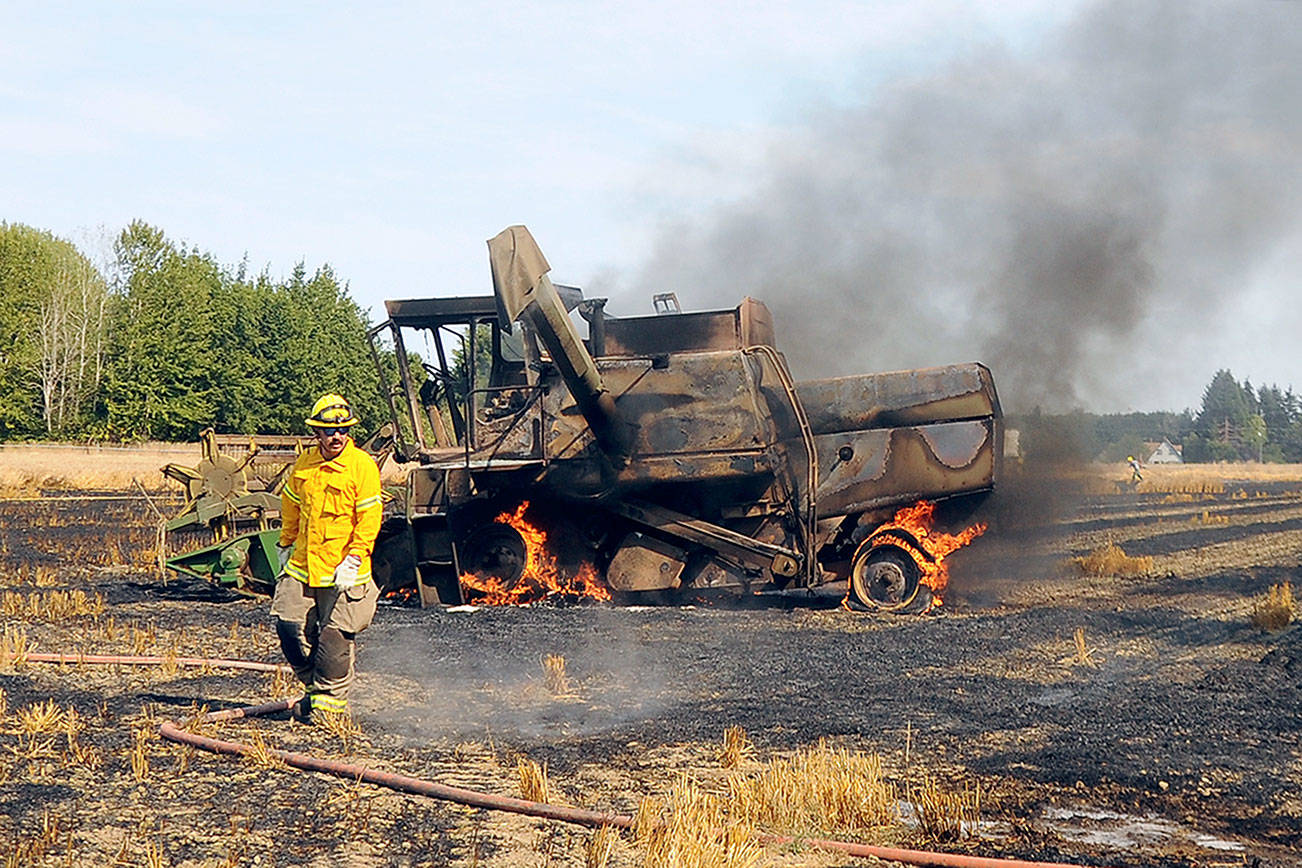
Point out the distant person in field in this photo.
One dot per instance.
(1135, 465)
(330, 515)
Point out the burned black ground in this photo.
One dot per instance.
(1182, 712)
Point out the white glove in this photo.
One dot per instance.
(346, 572)
(282, 555)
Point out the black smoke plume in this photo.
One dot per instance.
(1074, 215)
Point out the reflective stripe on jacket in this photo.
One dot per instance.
(329, 510)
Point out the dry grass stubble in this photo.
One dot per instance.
(534, 786)
(1275, 612)
(1112, 560)
(554, 677)
(819, 791)
(692, 828)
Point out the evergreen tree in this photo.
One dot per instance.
(1254, 436)
(160, 377)
(24, 262)
(1225, 410)
(320, 346)
(1250, 397)
(1270, 404)
(244, 355)
(1196, 449)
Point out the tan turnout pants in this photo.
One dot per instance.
(317, 628)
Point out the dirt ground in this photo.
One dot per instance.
(1173, 740)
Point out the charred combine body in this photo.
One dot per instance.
(663, 454)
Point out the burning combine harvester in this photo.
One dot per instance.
(669, 453)
(664, 455)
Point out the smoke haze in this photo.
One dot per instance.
(479, 674)
(1081, 217)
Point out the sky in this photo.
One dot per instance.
(1098, 199)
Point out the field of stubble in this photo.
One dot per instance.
(1138, 720)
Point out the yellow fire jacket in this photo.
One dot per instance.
(329, 510)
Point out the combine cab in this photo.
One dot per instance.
(663, 454)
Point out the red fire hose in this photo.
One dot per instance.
(474, 798)
(152, 660)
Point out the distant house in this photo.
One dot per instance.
(1165, 453)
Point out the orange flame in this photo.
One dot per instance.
(541, 579)
(401, 595)
(919, 520)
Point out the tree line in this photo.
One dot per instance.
(1236, 421)
(159, 340)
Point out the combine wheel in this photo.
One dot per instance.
(494, 551)
(884, 578)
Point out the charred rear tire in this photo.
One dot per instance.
(885, 578)
(494, 550)
(541, 554)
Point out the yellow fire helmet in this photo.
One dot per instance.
(331, 411)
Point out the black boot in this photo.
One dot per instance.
(301, 710)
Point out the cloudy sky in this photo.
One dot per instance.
(1101, 200)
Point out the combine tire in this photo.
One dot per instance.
(494, 551)
(884, 578)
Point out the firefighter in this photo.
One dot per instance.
(330, 515)
(1135, 465)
